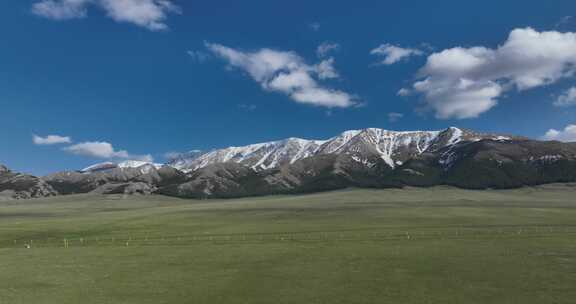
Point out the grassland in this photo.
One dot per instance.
(438, 245)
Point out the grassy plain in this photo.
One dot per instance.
(438, 245)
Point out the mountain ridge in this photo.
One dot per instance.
(371, 157)
(273, 154)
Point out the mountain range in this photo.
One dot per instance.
(371, 157)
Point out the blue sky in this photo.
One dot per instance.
(151, 77)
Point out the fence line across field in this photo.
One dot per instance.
(148, 238)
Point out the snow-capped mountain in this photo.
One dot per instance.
(144, 167)
(138, 164)
(373, 158)
(257, 156)
(394, 147)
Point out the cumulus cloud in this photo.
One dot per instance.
(390, 54)
(460, 99)
(567, 98)
(466, 82)
(150, 14)
(394, 117)
(286, 72)
(566, 135)
(326, 48)
(104, 150)
(51, 140)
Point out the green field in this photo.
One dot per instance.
(437, 245)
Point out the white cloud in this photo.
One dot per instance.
(460, 99)
(96, 149)
(567, 98)
(566, 135)
(150, 14)
(51, 140)
(326, 70)
(326, 48)
(286, 72)
(61, 9)
(404, 92)
(392, 54)
(394, 117)
(466, 82)
(198, 56)
(105, 150)
(323, 97)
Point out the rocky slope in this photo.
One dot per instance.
(20, 186)
(221, 180)
(493, 164)
(140, 178)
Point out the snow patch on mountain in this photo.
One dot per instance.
(99, 167)
(137, 164)
(145, 167)
(456, 136)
